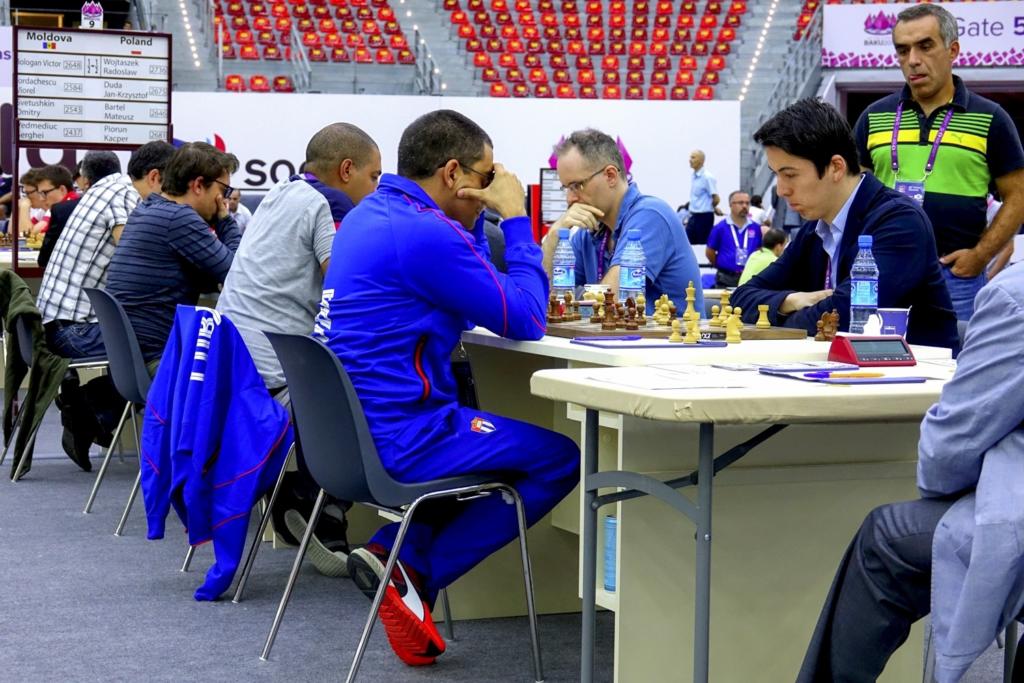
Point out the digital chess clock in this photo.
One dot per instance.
(871, 351)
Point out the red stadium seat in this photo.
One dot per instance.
(405, 56)
(611, 78)
(586, 77)
(716, 63)
(588, 92)
(283, 24)
(259, 83)
(482, 60)
(362, 55)
(565, 92)
(684, 78)
(705, 92)
(688, 7)
(635, 78)
(713, 7)
(283, 84)
(659, 78)
(685, 21)
(248, 52)
(333, 40)
(561, 76)
(727, 35)
(514, 76)
(595, 47)
(656, 92)
(385, 56)
(234, 83)
(617, 7)
(738, 7)
(532, 61)
(266, 38)
(658, 49)
(262, 24)
(474, 46)
(664, 7)
(709, 78)
(617, 49)
(559, 62)
(311, 39)
(507, 61)
(636, 64)
(520, 90)
(499, 90)
(700, 49)
(679, 92)
(688, 63)
(543, 90)
(317, 54)
(596, 33)
(638, 34)
(709, 21)
(634, 92)
(228, 52)
(677, 49)
(610, 62)
(272, 53)
(538, 76)
(244, 37)
(611, 92)
(340, 54)
(398, 42)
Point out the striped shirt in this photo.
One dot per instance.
(980, 145)
(167, 256)
(83, 251)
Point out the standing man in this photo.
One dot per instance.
(703, 200)
(606, 205)
(945, 146)
(733, 241)
(408, 274)
(239, 211)
(275, 283)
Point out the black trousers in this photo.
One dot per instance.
(698, 228)
(724, 279)
(883, 585)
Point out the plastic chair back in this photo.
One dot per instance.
(127, 367)
(23, 333)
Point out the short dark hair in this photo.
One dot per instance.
(773, 238)
(596, 148)
(755, 200)
(196, 160)
(97, 165)
(151, 156)
(812, 130)
(56, 174)
(29, 177)
(336, 142)
(437, 137)
(947, 22)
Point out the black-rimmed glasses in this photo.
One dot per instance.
(577, 186)
(228, 190)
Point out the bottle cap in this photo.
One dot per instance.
(633, 234)
(563, 233)
(864, 241)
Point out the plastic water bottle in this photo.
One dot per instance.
(863, 285)
(564, 270)
(632, 268)
(611, 541)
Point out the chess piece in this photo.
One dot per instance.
(692, 331)
(820, 336)
(641, 302)
(762, 316)
(554, 310)
(716, 314)
(567, 315)
(631, 322)
(691, 298)
(733, 326)
(675, 336)
(598, 316)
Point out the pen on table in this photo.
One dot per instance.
(620, 338)
(843, 375)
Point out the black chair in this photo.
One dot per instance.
(23, 332)
(131, 379)
(335, 441)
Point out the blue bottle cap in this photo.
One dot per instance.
(563, 233)
(634, 234)
(864, 241)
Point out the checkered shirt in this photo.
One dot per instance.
(84, 249)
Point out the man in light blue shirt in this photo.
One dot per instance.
(703, 200)
(604, 205)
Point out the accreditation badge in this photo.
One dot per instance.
(912, 188)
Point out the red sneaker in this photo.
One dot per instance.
(404, 612)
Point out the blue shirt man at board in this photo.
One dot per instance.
(733, 240)
(606, 205)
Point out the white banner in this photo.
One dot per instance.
(860, 36)
(268, 133)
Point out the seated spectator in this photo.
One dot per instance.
(732, 241)
(30, 205)
(53, 186)
(757, 211)
(103, 164)
(80, 259)
(773, 243)
(275, 284)
(810, 148)
(239, 211)
(954, 552)
(408, 274)
(167, 254)
(607, 204)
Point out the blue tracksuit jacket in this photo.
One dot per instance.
(213, 440)
(404, 282)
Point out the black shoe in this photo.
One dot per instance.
(76, 442)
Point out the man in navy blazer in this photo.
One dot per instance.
(811, 149)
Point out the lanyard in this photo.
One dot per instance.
(935, 146)
(828, 272)
(600, 255)
(735, 240)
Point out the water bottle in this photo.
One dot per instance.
(632, 268)
(564, 270)
(863, 285)
(611, 541)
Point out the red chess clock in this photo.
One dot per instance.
(871, 351)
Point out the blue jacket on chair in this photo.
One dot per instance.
(213, 440)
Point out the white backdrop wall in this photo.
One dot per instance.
(269, 133)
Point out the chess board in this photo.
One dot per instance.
(571, 330)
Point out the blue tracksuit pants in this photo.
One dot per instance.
(447, 540)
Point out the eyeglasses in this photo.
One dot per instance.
(488, 177)
(577, 186)
(42, 193)
(227, 189)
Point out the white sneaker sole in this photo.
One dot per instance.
(326, 561)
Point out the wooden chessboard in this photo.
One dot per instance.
(653, 331)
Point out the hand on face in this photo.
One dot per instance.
(222, 207)
(505, 194)
(582, 215)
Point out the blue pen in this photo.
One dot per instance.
(824, 374)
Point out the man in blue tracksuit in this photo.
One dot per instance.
(409, 272)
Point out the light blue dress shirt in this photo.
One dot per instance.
(702, 187)
(831, 234)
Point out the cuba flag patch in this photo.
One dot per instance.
(481, 426)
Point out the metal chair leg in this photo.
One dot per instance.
(20, 470)
(128, 507)
(538, 666)
(449, 626)
(379, 597)
(1010, 651)
(189, 554)
(318, 507)
(250, 559)
(14, 433)
(106, 461)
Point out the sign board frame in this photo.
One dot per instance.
(71, 109)
(549, 185)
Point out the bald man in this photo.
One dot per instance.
(703, 200)
(276, 281)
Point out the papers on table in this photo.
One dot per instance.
(663, 378)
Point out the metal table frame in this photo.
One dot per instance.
(636, 485)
